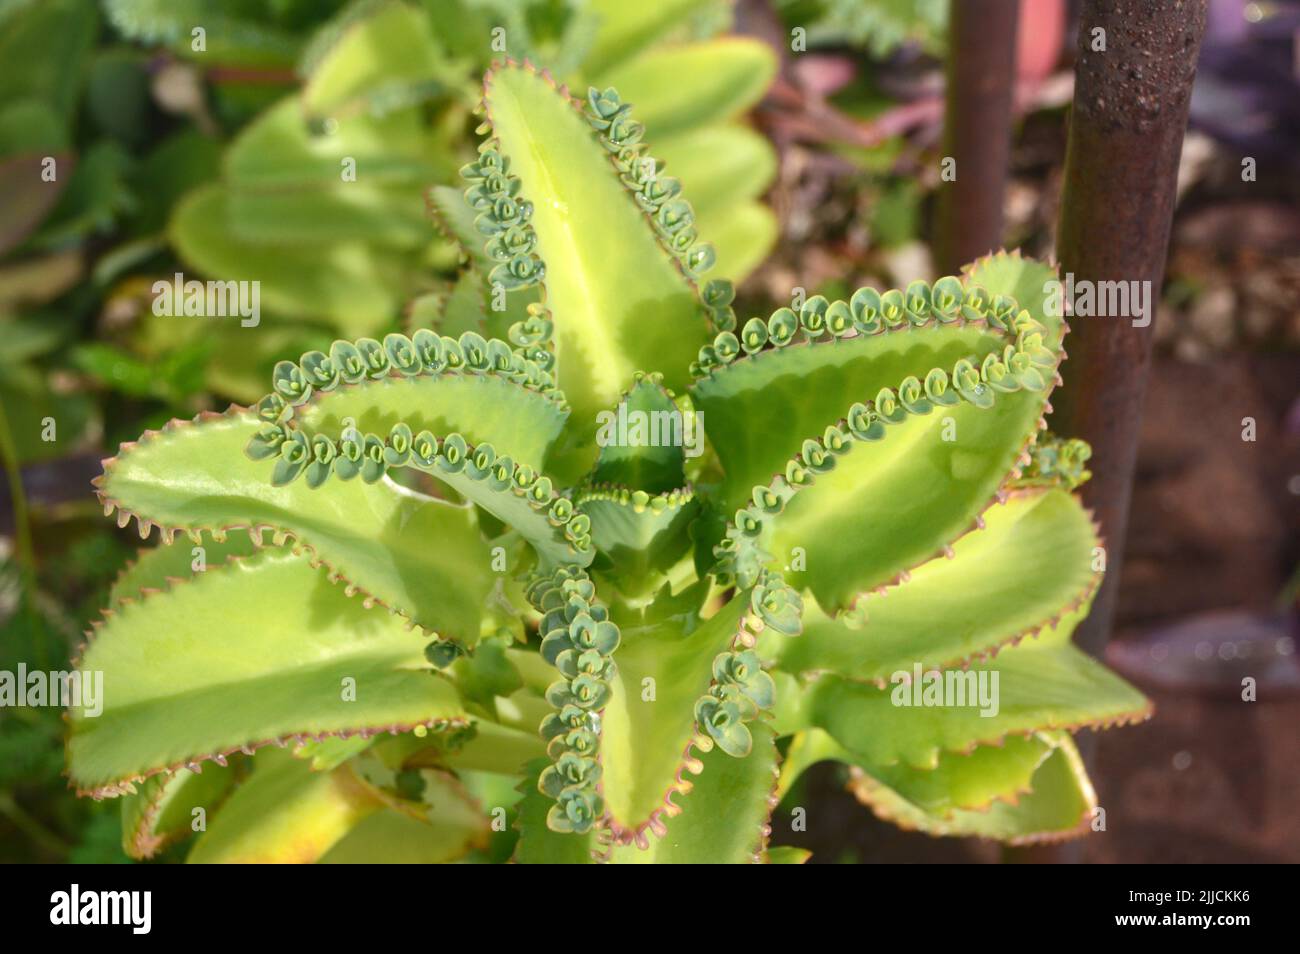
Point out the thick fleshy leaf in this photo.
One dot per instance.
(759, 409)
(920, 461)
(723, 820)
(248, 652)
(156, 567)
(439, 822)
(907, 503)
(379, 537)
(166, 808)
(1044, 683)
(1026, 280)
(1057, 806)
(619, 305)
(484, 408)
(638, 537)
(391, 837)
(650, 718)
(1030, 565)
(729, 75)
(643, 442)
(285, 814)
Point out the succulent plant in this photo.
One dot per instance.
(455, 540)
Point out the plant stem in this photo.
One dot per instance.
(977, 129)
(1121, 167)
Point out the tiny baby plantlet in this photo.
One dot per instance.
(479, 630)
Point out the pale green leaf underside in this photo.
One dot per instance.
(162, 807)
(722, 819)
(1030, 563)
(973, 780)
(620, 303)
(391, 837)
(643, 743)
(284, 813)
(484, 408)
(892, 504)
(1044, 683)
(1056, 807)
(727, 77)
(247, 652)
(421, 557)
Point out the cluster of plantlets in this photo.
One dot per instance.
(634, 655)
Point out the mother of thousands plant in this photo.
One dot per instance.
(441, 557)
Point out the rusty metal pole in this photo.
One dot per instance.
(1133, 85)
(1121, 168)
(977, 129)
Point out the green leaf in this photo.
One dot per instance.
(1025, 280)
(285, 813)
(720, 167)
(726, 77)
(647, 726)
(390, 837)
(724, 819)
(233, 37)
(248, 652)
(156, 567)
(743, 237)
(620, 302)
(357, 287)
(1043, 683)
(638, 538)
(196, 477)
(484, 408)
(920, 461)
(643, 441)
(787, 855)
(759, 409)
(628, 28)
(162, 809)
(44, 47)
(1027, 567)
(390, 52)
(1057, 806)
